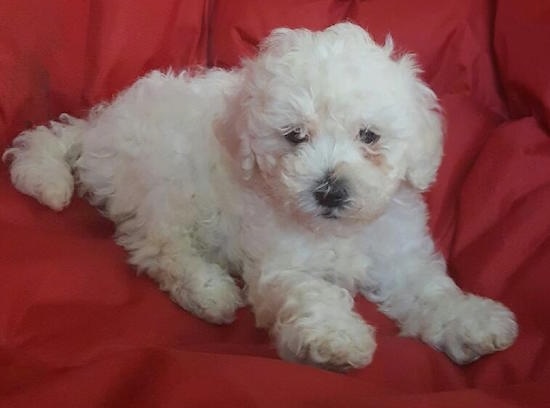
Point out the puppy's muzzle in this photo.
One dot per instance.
(332, 194)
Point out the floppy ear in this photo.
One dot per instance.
(246, 155)
(235, 130)
(426, 147)
(232, 133)
(424, 154)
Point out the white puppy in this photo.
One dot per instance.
(301, 171)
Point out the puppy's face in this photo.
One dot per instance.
(334, 123)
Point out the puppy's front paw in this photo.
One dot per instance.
(335, 343)
(211, 295)
(481, 326)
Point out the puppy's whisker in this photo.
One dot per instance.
(322, 187)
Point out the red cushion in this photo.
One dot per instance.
(65, 56)
(78, 328)
(522, 38)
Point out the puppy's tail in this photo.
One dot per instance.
(41, 161)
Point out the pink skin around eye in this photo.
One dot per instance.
(373, 156)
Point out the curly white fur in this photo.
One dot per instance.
(201, 178)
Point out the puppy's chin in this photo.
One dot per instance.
(336, 222)
(334, 226)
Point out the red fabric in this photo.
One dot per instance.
(78, 328)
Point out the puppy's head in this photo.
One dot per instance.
(333, 123)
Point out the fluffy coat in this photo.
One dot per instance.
(300, 171)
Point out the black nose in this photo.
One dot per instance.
(331, 192)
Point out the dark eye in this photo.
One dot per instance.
(368, 136)
(296, 136)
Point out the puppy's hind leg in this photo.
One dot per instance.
(200, 287)
(41, 161)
